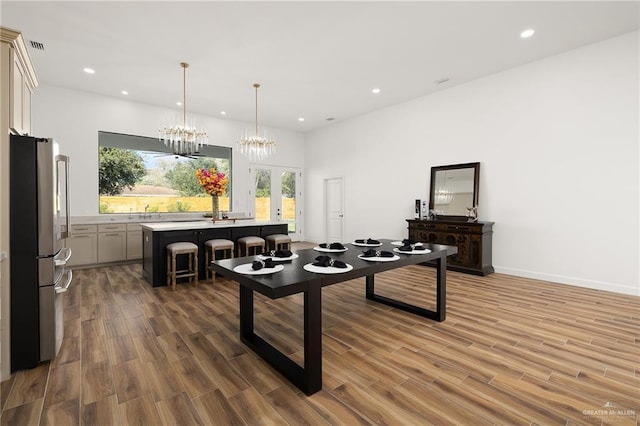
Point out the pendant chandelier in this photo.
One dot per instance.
(181, 139)
(256, 148)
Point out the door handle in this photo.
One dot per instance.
(340, 215)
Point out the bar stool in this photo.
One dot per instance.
(210, 249)
(173, 251)
(278, 242)
(247, 243)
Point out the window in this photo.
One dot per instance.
(139, 174)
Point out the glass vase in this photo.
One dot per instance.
(215, 208)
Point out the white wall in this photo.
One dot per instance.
(557, 139)
(74, 118)
(558, 144)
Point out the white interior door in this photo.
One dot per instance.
(334, 209)
(277, 196)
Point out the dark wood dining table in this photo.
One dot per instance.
(294, 279)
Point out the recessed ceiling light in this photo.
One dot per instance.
(223, 112)
(89, 70)
(527, 33)
(124, 92)
(300, 118)
(179, 103)
(375, 90)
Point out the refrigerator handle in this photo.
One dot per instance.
(66, 252)
(65, 160)
(64, 289)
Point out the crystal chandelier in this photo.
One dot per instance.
(181, 139)
(256, 148)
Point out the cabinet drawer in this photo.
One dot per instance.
(112, 227)
(84, 229)
(455, 227)
(458, 228)
(423, 225)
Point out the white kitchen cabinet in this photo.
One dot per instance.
(22, 81)
(134, 241)
(104, 243)
(83, 243)
(112, 242)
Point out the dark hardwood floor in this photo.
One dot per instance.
(512, 351)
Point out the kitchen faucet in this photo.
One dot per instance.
(145, 215)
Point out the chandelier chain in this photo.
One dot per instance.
(256, 85)
(184, 66)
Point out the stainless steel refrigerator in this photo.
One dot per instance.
(39, 223)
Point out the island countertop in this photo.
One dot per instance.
(157, 235)
(203, 224)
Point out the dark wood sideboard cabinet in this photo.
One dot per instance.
(473, 240)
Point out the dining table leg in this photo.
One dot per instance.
(313, 337)
(308, 378)
(441, 294)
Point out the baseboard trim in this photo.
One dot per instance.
(101, 265)
(578, 282)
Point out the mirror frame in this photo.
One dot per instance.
(476, 187)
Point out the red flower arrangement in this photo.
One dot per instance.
(213, 182)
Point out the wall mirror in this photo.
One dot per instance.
(454, 189)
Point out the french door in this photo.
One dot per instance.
(276, 196)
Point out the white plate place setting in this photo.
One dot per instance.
(367, 242)
(406, 242)
(414, 250)
(331, 248)
(327, 265)
(258, 267)
(372, 255)
(278, 255)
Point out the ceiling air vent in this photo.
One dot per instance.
(36, 45)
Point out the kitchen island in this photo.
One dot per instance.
(157, 235)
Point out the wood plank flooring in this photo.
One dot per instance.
(512, 351)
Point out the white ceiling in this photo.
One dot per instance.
(314, 59)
